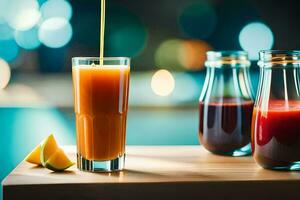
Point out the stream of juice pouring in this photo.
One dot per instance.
(102, 32)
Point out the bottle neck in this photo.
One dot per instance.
(279, 59)
(227, 83)
(227, 59)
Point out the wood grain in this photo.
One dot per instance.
(154, 172)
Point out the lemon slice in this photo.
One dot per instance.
(48, 148)
(34, 156)
(49, 155)
(59, 161)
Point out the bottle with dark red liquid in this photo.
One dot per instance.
(226, 104)
(276, 116)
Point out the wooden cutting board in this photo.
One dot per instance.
(157, 172)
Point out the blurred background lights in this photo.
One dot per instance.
(6, 32)
(126, 33)
(55, 32)
(194, 54)
(162, 83)
(8, 50)
(169, 54)
(127, 41)
(4, 73)
(28, 39)
(179, 54)
(22, 14)
(56, 8)
(198, 20)
(254, 37)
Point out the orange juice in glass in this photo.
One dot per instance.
(101, 104)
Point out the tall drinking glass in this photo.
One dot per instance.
(101, 104)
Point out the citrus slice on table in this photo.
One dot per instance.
(52, 157)
(59, 161)
(34, 157)
(48, 148)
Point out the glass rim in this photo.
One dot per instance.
(98, 58)
(277, 51)
(279, 58)
(227, 58)
(226, 53)
(88, 61)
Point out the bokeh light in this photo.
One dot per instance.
(198, 20)
(8, 50)
(254, 37)
(56, 8)
(126, 33)
(162, 83)
(6, 32)
(4, 73)
(177, 54)
(22, 15)
(28, 39)
(169, 54)
(55, 32)
(194, 55)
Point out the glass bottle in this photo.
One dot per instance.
(226, 104)
(276, 116)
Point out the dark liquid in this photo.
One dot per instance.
(225, 126)
(276, 135)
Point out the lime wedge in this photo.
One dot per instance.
(59, 161)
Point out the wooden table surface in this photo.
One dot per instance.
(157, 172)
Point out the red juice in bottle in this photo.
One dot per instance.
(276, 118)
(276, 134)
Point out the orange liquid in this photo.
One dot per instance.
(101, 104)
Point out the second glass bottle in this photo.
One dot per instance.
(226, 104)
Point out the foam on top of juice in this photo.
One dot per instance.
(281, 106)
(284, 105)
(99, 67)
